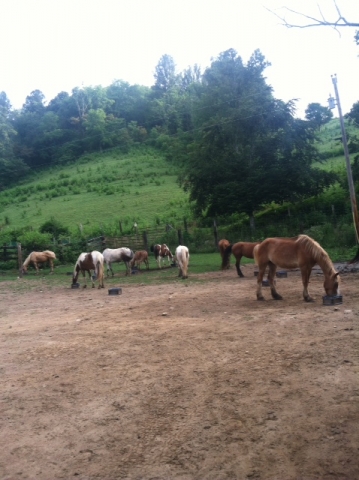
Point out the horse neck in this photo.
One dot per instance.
(27, 261)
(326, 265)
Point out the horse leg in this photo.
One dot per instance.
(84, 275)
(306, 271)
(36, 267)
(238, 267)
(147, 264)
(261, 272)
(271, 279)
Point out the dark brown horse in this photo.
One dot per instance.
(299, 252)
(222, 245)
(239, 250)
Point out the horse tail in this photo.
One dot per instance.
(255, 253)
(50, 254)
(225, 259)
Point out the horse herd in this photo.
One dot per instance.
(93, 263)
(297, 252)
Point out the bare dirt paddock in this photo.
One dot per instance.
(195, 380)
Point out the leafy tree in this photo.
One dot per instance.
(248, 150)
(11, 168)
(34, 103)
(54, 227)
(354, 113)
(165, 75)
(318, 115)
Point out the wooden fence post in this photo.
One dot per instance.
(19, 259)
(145, 241)
(215, 232)
(180, 237)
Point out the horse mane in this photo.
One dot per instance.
(314, 249)
(27, 261)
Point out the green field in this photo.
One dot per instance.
(99, 192)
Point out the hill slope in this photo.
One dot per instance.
(100, 190)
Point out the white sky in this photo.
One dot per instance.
(56, 45)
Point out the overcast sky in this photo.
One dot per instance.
(56, 45)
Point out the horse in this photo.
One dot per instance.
(122, 254)
(161, 251)
(301, 251)
(92, 263)
(182, 258)
(139, 257)
(239, 250)
(222, 245)
(39, 257)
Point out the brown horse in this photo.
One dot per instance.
(92, 263)
(222, 245)
(299, 252)
(39, 257)
(139, 257)
(239, 250)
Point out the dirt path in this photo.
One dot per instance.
(189, 381)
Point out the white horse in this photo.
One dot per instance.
(123, 254)
(182, 257)
(92, 263)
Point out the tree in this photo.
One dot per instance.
(248, 149)
(354, 113)
(165, 75)
(11, 168)
(34, 103)
(339, 21)
(318, 115)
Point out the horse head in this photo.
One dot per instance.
(331, 284)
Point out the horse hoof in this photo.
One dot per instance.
(261, 299)
(309, 299)
(278, 297)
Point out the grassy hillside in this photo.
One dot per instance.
(97, 192)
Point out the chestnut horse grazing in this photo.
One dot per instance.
(299, 252)
(239, 250)
(140, 256)
(182, 258)
(39, 257)
(222, 245)
(92, 263)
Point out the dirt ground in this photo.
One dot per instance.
(195, 380)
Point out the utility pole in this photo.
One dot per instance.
(347, 160)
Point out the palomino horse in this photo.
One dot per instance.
(111, 255)
(302, 252)
(161, 251)
(39, 257)
(239, 250)
(92, 263)
(139, 257)
(182, 258)
(222, 245)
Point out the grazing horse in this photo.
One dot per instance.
(161, 251)
(239, 250)
(182, 257)
(139, 257)
(39, 257)
(302, 252)
(92, 263)
(123, 254)
(222, 245)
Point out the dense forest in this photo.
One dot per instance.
(236, 145)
